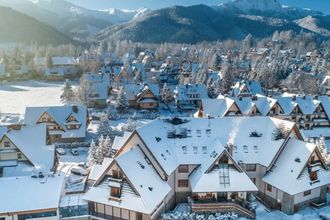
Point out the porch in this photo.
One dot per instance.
(222, 202)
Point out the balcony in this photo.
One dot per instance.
(240, 207)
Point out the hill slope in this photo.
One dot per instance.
(19, 28)
(194, 24)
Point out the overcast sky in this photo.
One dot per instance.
(321, 5)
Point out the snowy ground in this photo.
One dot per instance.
(16, 96)
(180, 212)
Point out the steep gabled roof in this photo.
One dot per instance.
(291, 164)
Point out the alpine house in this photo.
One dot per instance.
(215, 164)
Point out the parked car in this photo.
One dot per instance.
(60, 151)
(74, 151)
(79, 171)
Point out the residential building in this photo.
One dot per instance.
(309, 113)
(65, 123)
(246, 88)
(215, 164)
(142, 96)
(189, 96)
(97, 89)
(56, 67)
(35, 197)
(26, 149)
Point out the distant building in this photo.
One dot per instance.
(189, 96)
(142, 96)
(64, 123)
(56, 67)
(98, 89)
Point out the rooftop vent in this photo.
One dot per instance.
(158, 139)
(141, 165)
(297, 160)
(176, 121)
(150, 188)
(255, 134)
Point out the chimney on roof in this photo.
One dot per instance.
(75, 109)
(294, 98)
(229, 148)
(254, 98)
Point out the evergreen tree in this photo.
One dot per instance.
(68, 95)
(211, 90)
(122, 104)
(107, 147)
(166, 94)
(91, 154)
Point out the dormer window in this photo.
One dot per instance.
(199, 133)
(208, 132)
(115, 192)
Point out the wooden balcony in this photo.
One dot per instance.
(228, 206)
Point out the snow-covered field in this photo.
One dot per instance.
(16, 96)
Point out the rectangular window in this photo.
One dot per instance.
(183, 183)
(204, 149)
(184, 149)
(251, 167)
(115, 192)
(269, 187)
(7, 144)
(19, 156)
(199, 133)
(308, 192)
(183, 169)
(208, 132)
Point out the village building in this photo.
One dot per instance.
(214, 164)
(24, 150)
(35, 197)
(97, 89)
(56, 67)
(65, 123)
(246, 88)
(189, 96)
(311, 114)
(142, 96)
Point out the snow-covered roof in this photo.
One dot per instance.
(183, 92)
(216, 107)
(31, 140)
(253, 88)
(119, 141)
(42, 61)
(132, 91)
(30, 194)
(99, 85)
(210, 182)
(98, 169)
(291, 165)
(144, 189)
(60, 115)
(3, 130)
(201, 135)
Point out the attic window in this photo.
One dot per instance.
(255, 149)
(208, 132)
(199, 133)
(245, 148)
(204, 148)
(184, 149)
(195, 149)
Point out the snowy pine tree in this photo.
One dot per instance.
(107, 147)
(323, 149)
(91, 154)
(166, 94)
(68, 95)
(211, 90)
(122, 103)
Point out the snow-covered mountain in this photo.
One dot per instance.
(254, 5)
(74, 20)
(123, 15)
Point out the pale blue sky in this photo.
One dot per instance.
(321, 5)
